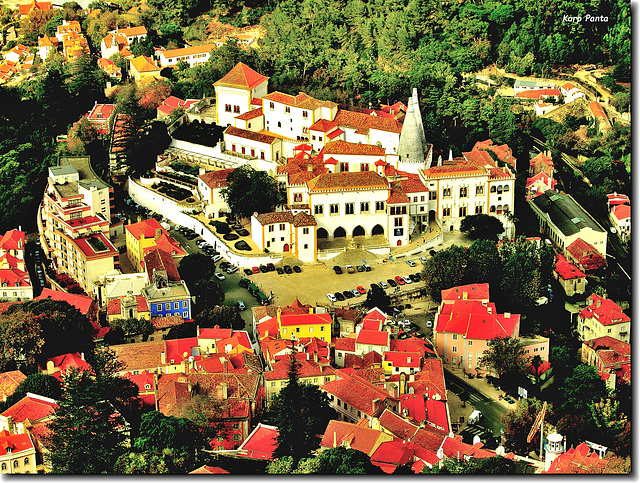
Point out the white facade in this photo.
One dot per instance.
(192, 55)
(252, 145)
(236, 90)
(292, 116)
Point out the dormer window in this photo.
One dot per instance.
(147, 386)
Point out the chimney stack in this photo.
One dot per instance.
(163, 357)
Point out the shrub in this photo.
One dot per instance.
(230, 236)
(242, 245)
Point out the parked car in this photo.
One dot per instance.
(361, 289)
(406, 279)
(263, 269)
(350, 269)
(339, 296)
(297, 269)
(411, 263)
(271, 267)
(279, 270)
(231, 269)
(224, 265)
(219, 276)
(403, 335)
(383, 285)
(241, 305)
(247, 271)
(337, 269)
(331, 297)
(216, 258)
(399, 280)
(244, 282)
(392, 282)
(255, 270)
(347, 294)
(287, 269)
(423, 259)
(355, 292)
(367, 267)
(360, 268)
(414, 277)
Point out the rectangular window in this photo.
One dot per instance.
(535, 349)
(233, 148)
(446, 192)
(242, 149)
(348, 209)
(306, 245)
(273, 384)
(344, 167)
(287, 110)
(469, 356)
(322, 329)
(422, 199)
(167, 306)
(298, 330)
(305, 231)
(397, 222)
(463, 192)
(271, 228)
(313, 138)
(479, 190)
(446, 212)
(236, 437)
(415, 199)
(454, 336)
(271, 106)
(433, 195)
(320, 138)
(470, 342)
(184, 304)
(185, 315)
(305, 115)
(478, 210)
(333, 209)
(310, 329)
(253, 153)
(454, 349)
(318, 209)
(379, 205)
(462, 211)
(364, 167)
(364, 207)
(281, 226)
(261, 154)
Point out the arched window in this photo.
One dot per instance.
(26, 461)
(505, 188)
(492, 209)
(4, 466)
(16, 464)
(493, 189)
(279, 124)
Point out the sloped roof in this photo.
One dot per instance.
(567, 270)
(304, 219)
(538, 93)
(275, 217)
(472, 318)
(147, 227)
(250, 115)
(261, 443)
(621, 212)
(302, 100)
(356, 391)
(565, 212)
(131, 31)
(140, 355)
(354, 149)
(347, 344)
(586, 255)
(209, 470)
(373, 337)
(159, 259)
(412, 344)
(474, 291)
(9, 381)
(185, 51)
(347, 181)
(359, 438)
(17, 443)
(577, 460)
(80, 302)
(403, 359)
(454, 170)
(241, 77)
(604, 311)
(250, 135)
(13, 240)
(363, 122)
(31, 407)
(142, 63)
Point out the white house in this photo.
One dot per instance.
(236, 91)
(252, 145)
(285, 232)
(367, 129)
(571, 92)
(194, 55)
(620, 216)
(210, 185)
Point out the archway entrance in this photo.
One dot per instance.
(322, 233)
(358, 231)
(432, 215)
(285, 248)
(377, 230)
(399, 242)
(339, 233)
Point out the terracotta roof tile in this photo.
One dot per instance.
(191, 50)
(31, 407)
(356, 391)
(253, 136)
(364, 122)
(275, 217)
(359, 438)
(586, 255)
(604, 311)
(9, 381)
(566, 269)
(354, 149)
(247, 116)
(347, 181)
(621, 212)
(159, 259)
(215, 179)
(373, 337)
(302, 100)
(143, 63)
(474, 291)
(241, 77)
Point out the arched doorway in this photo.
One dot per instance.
(377, 230)
(358, 231)
(339, 233)
(285, 248)
(322, 233)
(399, 243)
(432, 215)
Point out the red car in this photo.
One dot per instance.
(255, 270)
(399, 280)
(361, 290)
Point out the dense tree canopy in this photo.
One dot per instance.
(482, 226)
(249, 191)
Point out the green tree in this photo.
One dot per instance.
(343, 461)
(505, 355)
(377, 298)
(446, 269)
(300, 412)
(197, 270)
(132, 327)
(224, 316)
(581, 389)
(496, 465)
(20, 339)
(41, 384)
(85, 436)
(165, 461)
(519, 422)
(613, 425)
(484, 263)
(482, 226)
(249, 191)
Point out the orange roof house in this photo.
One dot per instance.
(603, 317)
(9, 381)
(29, 411)
(353, 436)
(242, 77)
(144, 68)
(146, 234)
(26, 9)
(585, 255)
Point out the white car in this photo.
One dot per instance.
(331, 297)
(383, 284)
(355, 292)
(219, 276)
(423, 259)
(216, 258)
(411, 263)
(406, 279)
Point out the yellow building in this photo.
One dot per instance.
(142, 236)
(143, 67)
(128, 307)
(309, 372)
(296, 326)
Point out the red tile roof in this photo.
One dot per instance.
(373, 337)
(261, 443)
(621, 212)
(566, 269)
(347, 181)
(252, 136)
(538, 93)
(32, 407)
(187, 51)
(14, 278)
(618, 346)
(146, 227)
(209, 470)
(247, 116)
(12, 240)
(454, 170)
(578, 460)
(158, 258)
(304, 319)
(9, 381)
(474, 291)
(160, 323)
(617, 199)
(15, 442)
(586, 255)
(597, 110)
(472, 318)
(398, 426)
(323, 125)
(304, 219)
(358, 437)
(25, 9)
(364, 122)
(455, 448)
(392, 454)
(604, 311)
(114, 306)
(480, 156)
(347, 344)
(412, 344)
(81, 302)
(275, 217)
(214, 333)
(302, 100)
(356, 391)
(403, 359)
(131, 31)
(397, 197)
(353, 149)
